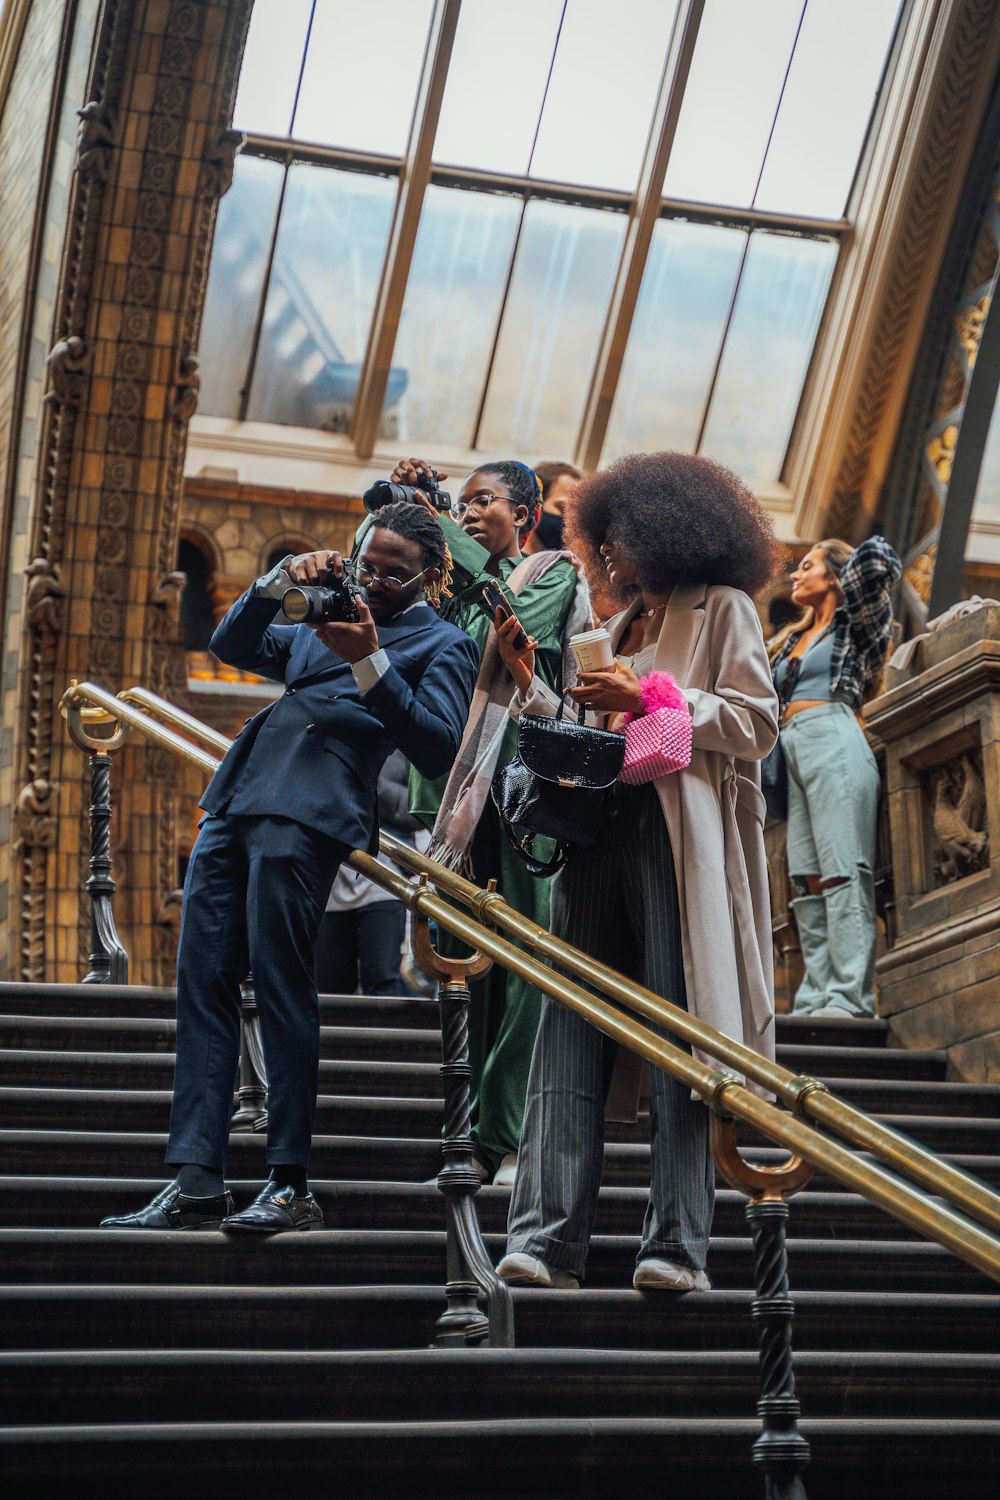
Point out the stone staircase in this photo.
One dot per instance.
(152, 1363)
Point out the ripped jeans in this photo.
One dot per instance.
(833, 792)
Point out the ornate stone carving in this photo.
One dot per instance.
(67, 365)
(961, 840)
(220, 162)
(34, 819)
(165, 606)
(188, 389)
(96, 140)
(167, 922)
(941, 452)
(45, 593)
(969, 327)
(920, 574)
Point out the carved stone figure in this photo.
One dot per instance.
(67, 365)
(220, 162)
(33, 816)
(959, 814)
(167, 926)
(96, 140)
(45, 593)
(165, 606)
(188, 389)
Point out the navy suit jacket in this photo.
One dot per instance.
(315, 753)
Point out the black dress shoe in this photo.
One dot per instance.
(172, 1209)
(276, 1208)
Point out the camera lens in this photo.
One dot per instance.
(297, 606)
(384, 492)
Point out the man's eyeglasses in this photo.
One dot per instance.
(391, 584)
(481, 502)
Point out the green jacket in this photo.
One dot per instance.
(542, 608)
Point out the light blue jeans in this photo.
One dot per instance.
(833, 792)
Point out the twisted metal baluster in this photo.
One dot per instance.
(108, 959)
(252, 1091)
(470, 1271)
(780, 1451)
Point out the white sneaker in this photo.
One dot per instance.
(528, 1270)
(506, 1172)
(666, 1276)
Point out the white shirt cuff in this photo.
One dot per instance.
(368, 670)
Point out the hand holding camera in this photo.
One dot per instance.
(324, 588)
(413, 480)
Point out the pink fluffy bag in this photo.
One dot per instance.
(659, 740)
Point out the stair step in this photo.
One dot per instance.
(80, 1202)
(405, 1257)
(537, 1458)
(387, 1316)
(863, 1062)
(126, 1034)
(136, 1154)
(147, 1002)
(484, 1384)
(155, 1070)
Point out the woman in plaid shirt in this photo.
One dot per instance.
(825, 665)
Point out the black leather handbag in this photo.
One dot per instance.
(557, 786)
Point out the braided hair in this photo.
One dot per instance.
(524, 485)
(418, 525)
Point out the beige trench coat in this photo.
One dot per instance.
(711, 643)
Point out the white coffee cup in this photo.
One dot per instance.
(592, 649)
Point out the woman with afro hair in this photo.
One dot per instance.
(675, 895)
(496, 508)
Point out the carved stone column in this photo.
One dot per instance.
(940, 723)
(155, 154)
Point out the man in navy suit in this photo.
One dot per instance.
(294, 794)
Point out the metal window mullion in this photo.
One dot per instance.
(643, 215)
(413, 179)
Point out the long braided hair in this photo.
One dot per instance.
(418, 525)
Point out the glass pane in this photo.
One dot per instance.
(449, 320)
(361, 74)
(740, 60)
(600, 100)
(826, 107)
(770, 341)
(331, 245)
(272, 62)
(676, 335)
(491, 123)
(987, 506)
(552, 323)
(235, 280)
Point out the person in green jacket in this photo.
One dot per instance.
(496, 509)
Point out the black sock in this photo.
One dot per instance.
(196, 1181)
(288, 1175)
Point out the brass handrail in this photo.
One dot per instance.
(806, 1096)
(724, 1092)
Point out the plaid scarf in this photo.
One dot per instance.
(468, 788)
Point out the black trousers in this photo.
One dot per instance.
(364, 945)
(253, 897)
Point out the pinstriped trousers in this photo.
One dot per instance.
(618, 902)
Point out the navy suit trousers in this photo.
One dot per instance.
(255, 891)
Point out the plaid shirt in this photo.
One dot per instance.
(862, 624)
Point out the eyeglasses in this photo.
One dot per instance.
(481, 501)
(391, 584)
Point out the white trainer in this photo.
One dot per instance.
(528, 1270)
(506, 1172)
(666, 1276)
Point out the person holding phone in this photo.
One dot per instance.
(496, 508)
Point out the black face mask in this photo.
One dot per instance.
(549, 530)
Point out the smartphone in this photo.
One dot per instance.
(495, 600)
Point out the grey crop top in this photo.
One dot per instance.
(815, 672)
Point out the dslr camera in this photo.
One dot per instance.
(310, 605)
(384, 492)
